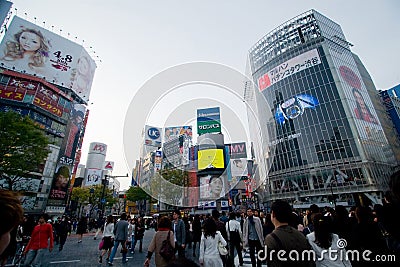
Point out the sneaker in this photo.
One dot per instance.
(94, 238)
(110, 263)
(125, 261)
(100, 259)
(79, 241)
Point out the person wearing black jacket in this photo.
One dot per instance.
(139, 233)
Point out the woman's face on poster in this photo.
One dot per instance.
(216, 186)
(29, 41)
(359, 99)
(62, 181)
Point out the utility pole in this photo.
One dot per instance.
(105, 183)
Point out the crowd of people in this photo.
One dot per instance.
(278, 238)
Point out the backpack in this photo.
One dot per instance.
(166, 250)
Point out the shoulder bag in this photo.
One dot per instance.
(166, 250)
(223, 251)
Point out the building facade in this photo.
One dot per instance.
(47, 78)
(323, 141)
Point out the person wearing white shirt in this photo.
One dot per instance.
(209, 254)
(234, 232)
(108, 238)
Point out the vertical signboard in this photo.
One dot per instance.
(152, 136)
(208, 120)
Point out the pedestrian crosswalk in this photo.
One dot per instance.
(246, 259)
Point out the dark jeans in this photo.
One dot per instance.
(140, 245)
(232, 246)
(180, 249)
(254, 248)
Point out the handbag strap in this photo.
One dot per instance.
(277, 240)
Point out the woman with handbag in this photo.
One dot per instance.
(108, 237)
(211, 240)
(163, 233)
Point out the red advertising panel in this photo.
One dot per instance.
(12, 94)
(46, 105)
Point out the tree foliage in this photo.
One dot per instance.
(23, 147)
(168, 186)
(135, 193)
(83, 195)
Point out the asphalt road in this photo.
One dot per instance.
(87, 253)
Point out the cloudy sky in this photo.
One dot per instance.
(136, 40)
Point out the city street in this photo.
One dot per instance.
(87, 253)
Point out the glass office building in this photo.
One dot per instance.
(323, 142)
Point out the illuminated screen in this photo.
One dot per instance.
(210, 159)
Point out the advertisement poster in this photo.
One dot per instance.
(31, 49)
(59, 188)
(176, 131)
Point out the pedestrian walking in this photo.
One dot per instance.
(81, 228)
(39, 242)
(210, 239)
(120, 237)
(234, 238)
(178, 226)
(323, 240)
(100, 225)
(285, 238)
(196, 226)
(131, 229)
(139, 234)
(164, 229)
(253, 236)
(62, 231)
(108, 238)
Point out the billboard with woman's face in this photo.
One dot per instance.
(34, 50)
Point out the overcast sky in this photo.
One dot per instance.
(136, 40)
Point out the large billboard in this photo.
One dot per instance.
(212, 187)
(208, 120)
(286, 69)
(73, 132)
(59, 188)
(174, 132)
(31, 49)
(211, 159)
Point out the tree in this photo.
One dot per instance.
(168, 186)
(82, 195)
(135, 193)
(23, 148)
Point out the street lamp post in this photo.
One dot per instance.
(105, 183)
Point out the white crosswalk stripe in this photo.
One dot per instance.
(246, 260)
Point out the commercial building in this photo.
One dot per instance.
(48, 78)
(323, 141)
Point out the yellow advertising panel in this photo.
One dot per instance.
(210, 159)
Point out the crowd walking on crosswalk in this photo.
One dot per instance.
(275, 237)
